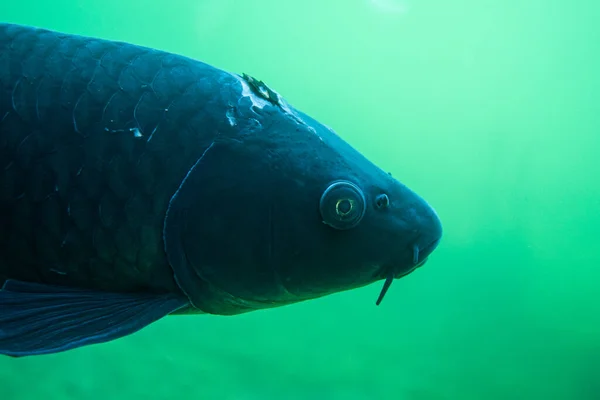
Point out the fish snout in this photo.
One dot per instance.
(429, 237)
(429, 233)
(429, 228)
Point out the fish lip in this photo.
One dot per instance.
(427, 250)
(399, 272)
(419, 255)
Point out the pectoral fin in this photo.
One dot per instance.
(41, 319)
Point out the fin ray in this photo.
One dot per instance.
(42, 319)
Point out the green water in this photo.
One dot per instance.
(488, 109)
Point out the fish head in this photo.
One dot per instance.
(353, 223)
(284, 211)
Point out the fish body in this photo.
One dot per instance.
(136, 183)
(95, 137)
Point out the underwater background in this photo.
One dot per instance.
(488, 109)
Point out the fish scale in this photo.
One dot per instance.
(84, 201)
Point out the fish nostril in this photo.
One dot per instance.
(382, 201)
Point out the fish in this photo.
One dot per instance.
(137, 184)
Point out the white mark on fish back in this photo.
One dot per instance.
(260, 102)
(230, 117)
(314, 132)
(137, 133)
(247, 92)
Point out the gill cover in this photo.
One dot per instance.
(218, 228)
(193, 219)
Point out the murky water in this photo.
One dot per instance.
(490, 110)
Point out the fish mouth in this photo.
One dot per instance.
(420, 257)
(423, 254)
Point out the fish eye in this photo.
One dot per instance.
(382, 201)
(342, 205)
